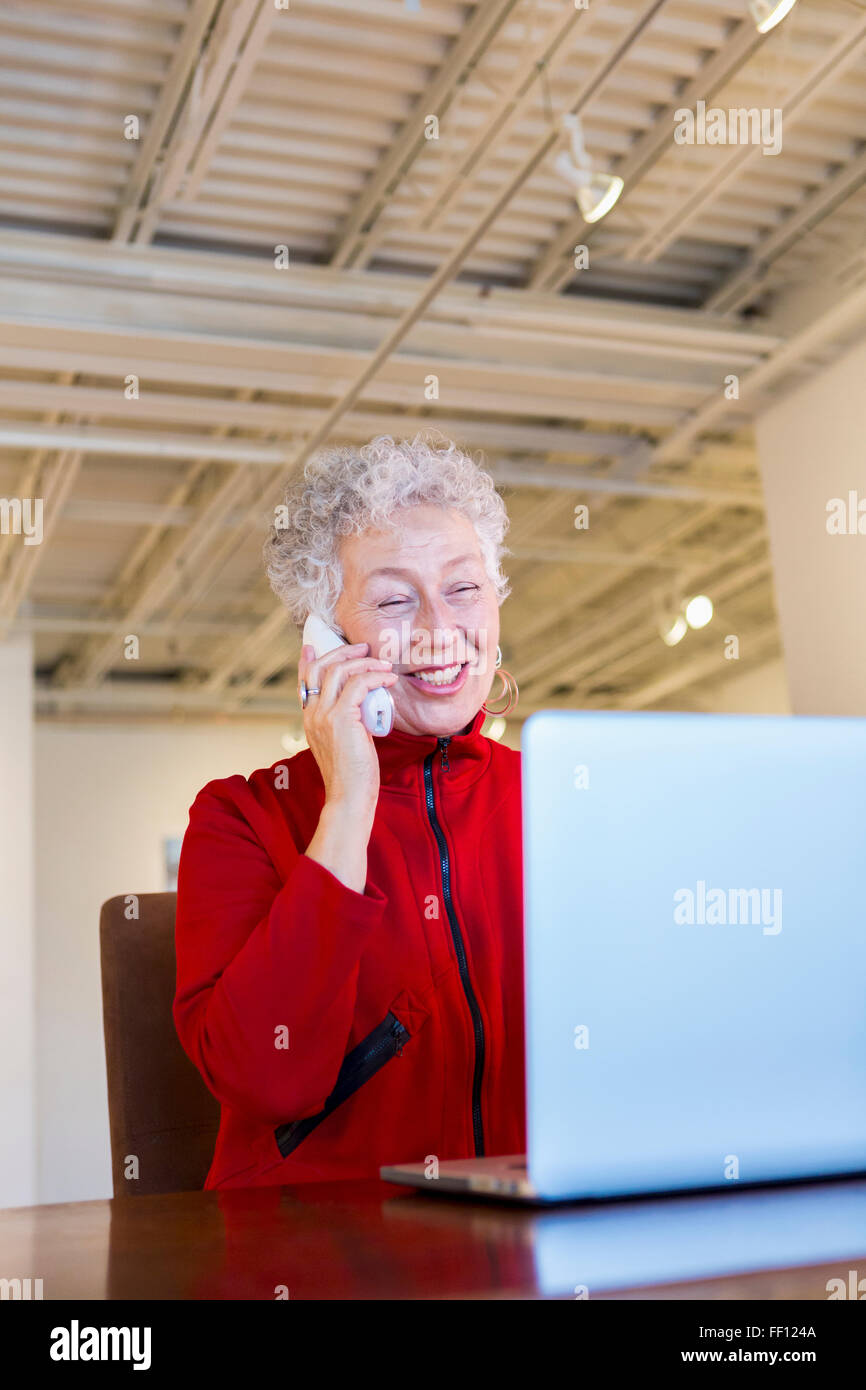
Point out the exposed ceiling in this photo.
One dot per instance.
(409, 258)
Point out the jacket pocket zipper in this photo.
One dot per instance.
(359, 1065)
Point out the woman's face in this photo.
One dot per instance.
(420, 596)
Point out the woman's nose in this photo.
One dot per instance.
(435, 627)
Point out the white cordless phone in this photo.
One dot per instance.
(377, 708)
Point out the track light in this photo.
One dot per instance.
(595, 192)
(678, 615)
(699, 611)
(597, 198)
(673, 630)
(768, 13)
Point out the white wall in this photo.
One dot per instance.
(812, 447)
(17, 975)
(105, 797)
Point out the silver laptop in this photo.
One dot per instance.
(695, 947)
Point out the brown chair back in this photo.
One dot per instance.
(160, 1111)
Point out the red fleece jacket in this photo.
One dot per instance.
(343, 1030)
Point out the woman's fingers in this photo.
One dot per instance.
(357, 686)
(333, 679)
(340, 744)
(312, 667)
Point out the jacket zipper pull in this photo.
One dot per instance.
(443, 746)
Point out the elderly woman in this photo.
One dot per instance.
(349, 924)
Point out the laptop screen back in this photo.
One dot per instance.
(695, 949)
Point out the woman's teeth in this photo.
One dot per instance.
(445, 676)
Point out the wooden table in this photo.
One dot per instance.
(370, 1240)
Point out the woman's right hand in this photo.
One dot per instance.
(341, 745)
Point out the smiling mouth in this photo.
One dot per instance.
(439, 679)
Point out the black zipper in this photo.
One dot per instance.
(369, 1056)
(457, 938)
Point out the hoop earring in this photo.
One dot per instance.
(510, 692)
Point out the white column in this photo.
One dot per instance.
(812, 448)
(17, 932)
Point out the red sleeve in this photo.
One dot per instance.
(259, 952)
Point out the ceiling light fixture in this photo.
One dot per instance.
(673, 630)
(676, 614)
(768, 13)
(699, 611)
(595, 191)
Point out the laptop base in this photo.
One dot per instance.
(503, 1177)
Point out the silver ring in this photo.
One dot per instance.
(306, 692)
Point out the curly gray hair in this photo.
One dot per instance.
(346, 490)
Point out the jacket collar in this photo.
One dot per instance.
(401, 756)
